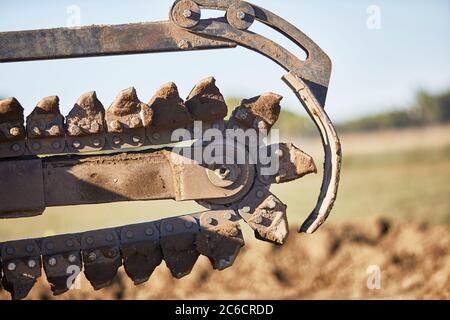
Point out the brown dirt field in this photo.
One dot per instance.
(414, 261)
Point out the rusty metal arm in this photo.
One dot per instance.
(100, 40)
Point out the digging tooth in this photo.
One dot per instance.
(170, 112)
(129, 111)
(178, 236)
(45, 127)
(61, 259)
(260, 112)
(86, 124)
(21, 267)
(101, 256)
(126, 119)
(12, 130)
(11, 120)
(220, 238)
(293, 164)
(265, 214)
(141, 251)
(205, 102)
(88, 115)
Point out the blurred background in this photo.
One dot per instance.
(389, 98)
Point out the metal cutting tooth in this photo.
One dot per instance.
(62, 262)
(205, 102)
(86, 124)
(21, 267)
(178, 237)
(101, 256)
(220, 238)
(265, 214)
(169, 109)
(141, 250)
(170, 113)
(45, 127)
(12, 130)
(291, 164)
(260, 112)
(127, 119)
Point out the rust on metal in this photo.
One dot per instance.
(46, 163)
(205, 102)
(169, 109)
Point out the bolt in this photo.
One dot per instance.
(240, 15)
(111, 253)
(109, 237)
(29, 248)
(271, 204)
(223, 172)
(50, 246)
(258, 219)
(129, 234)
(187, 13)
(72, 258)
(115, 180)
(56, 145)
(260, 194)
(209, 220)
(15, 147)
(15, 131)
(188, 224)
(11, 266)
(117, 140)
(69, 243)
(36, 146)
(136, 139)
(262, 125)
(149, 231)
(54, 131)
(169, 227)
(227, 215)
(245, 209)
(10, 250)
(31, 264)
(156, 136)
(76, 144)
(36, 131)
(96, 143)
(52, 262)
(92, 256)
(90, 240)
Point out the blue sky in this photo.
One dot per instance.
(373, 70)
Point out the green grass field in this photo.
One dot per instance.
(410, 184)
